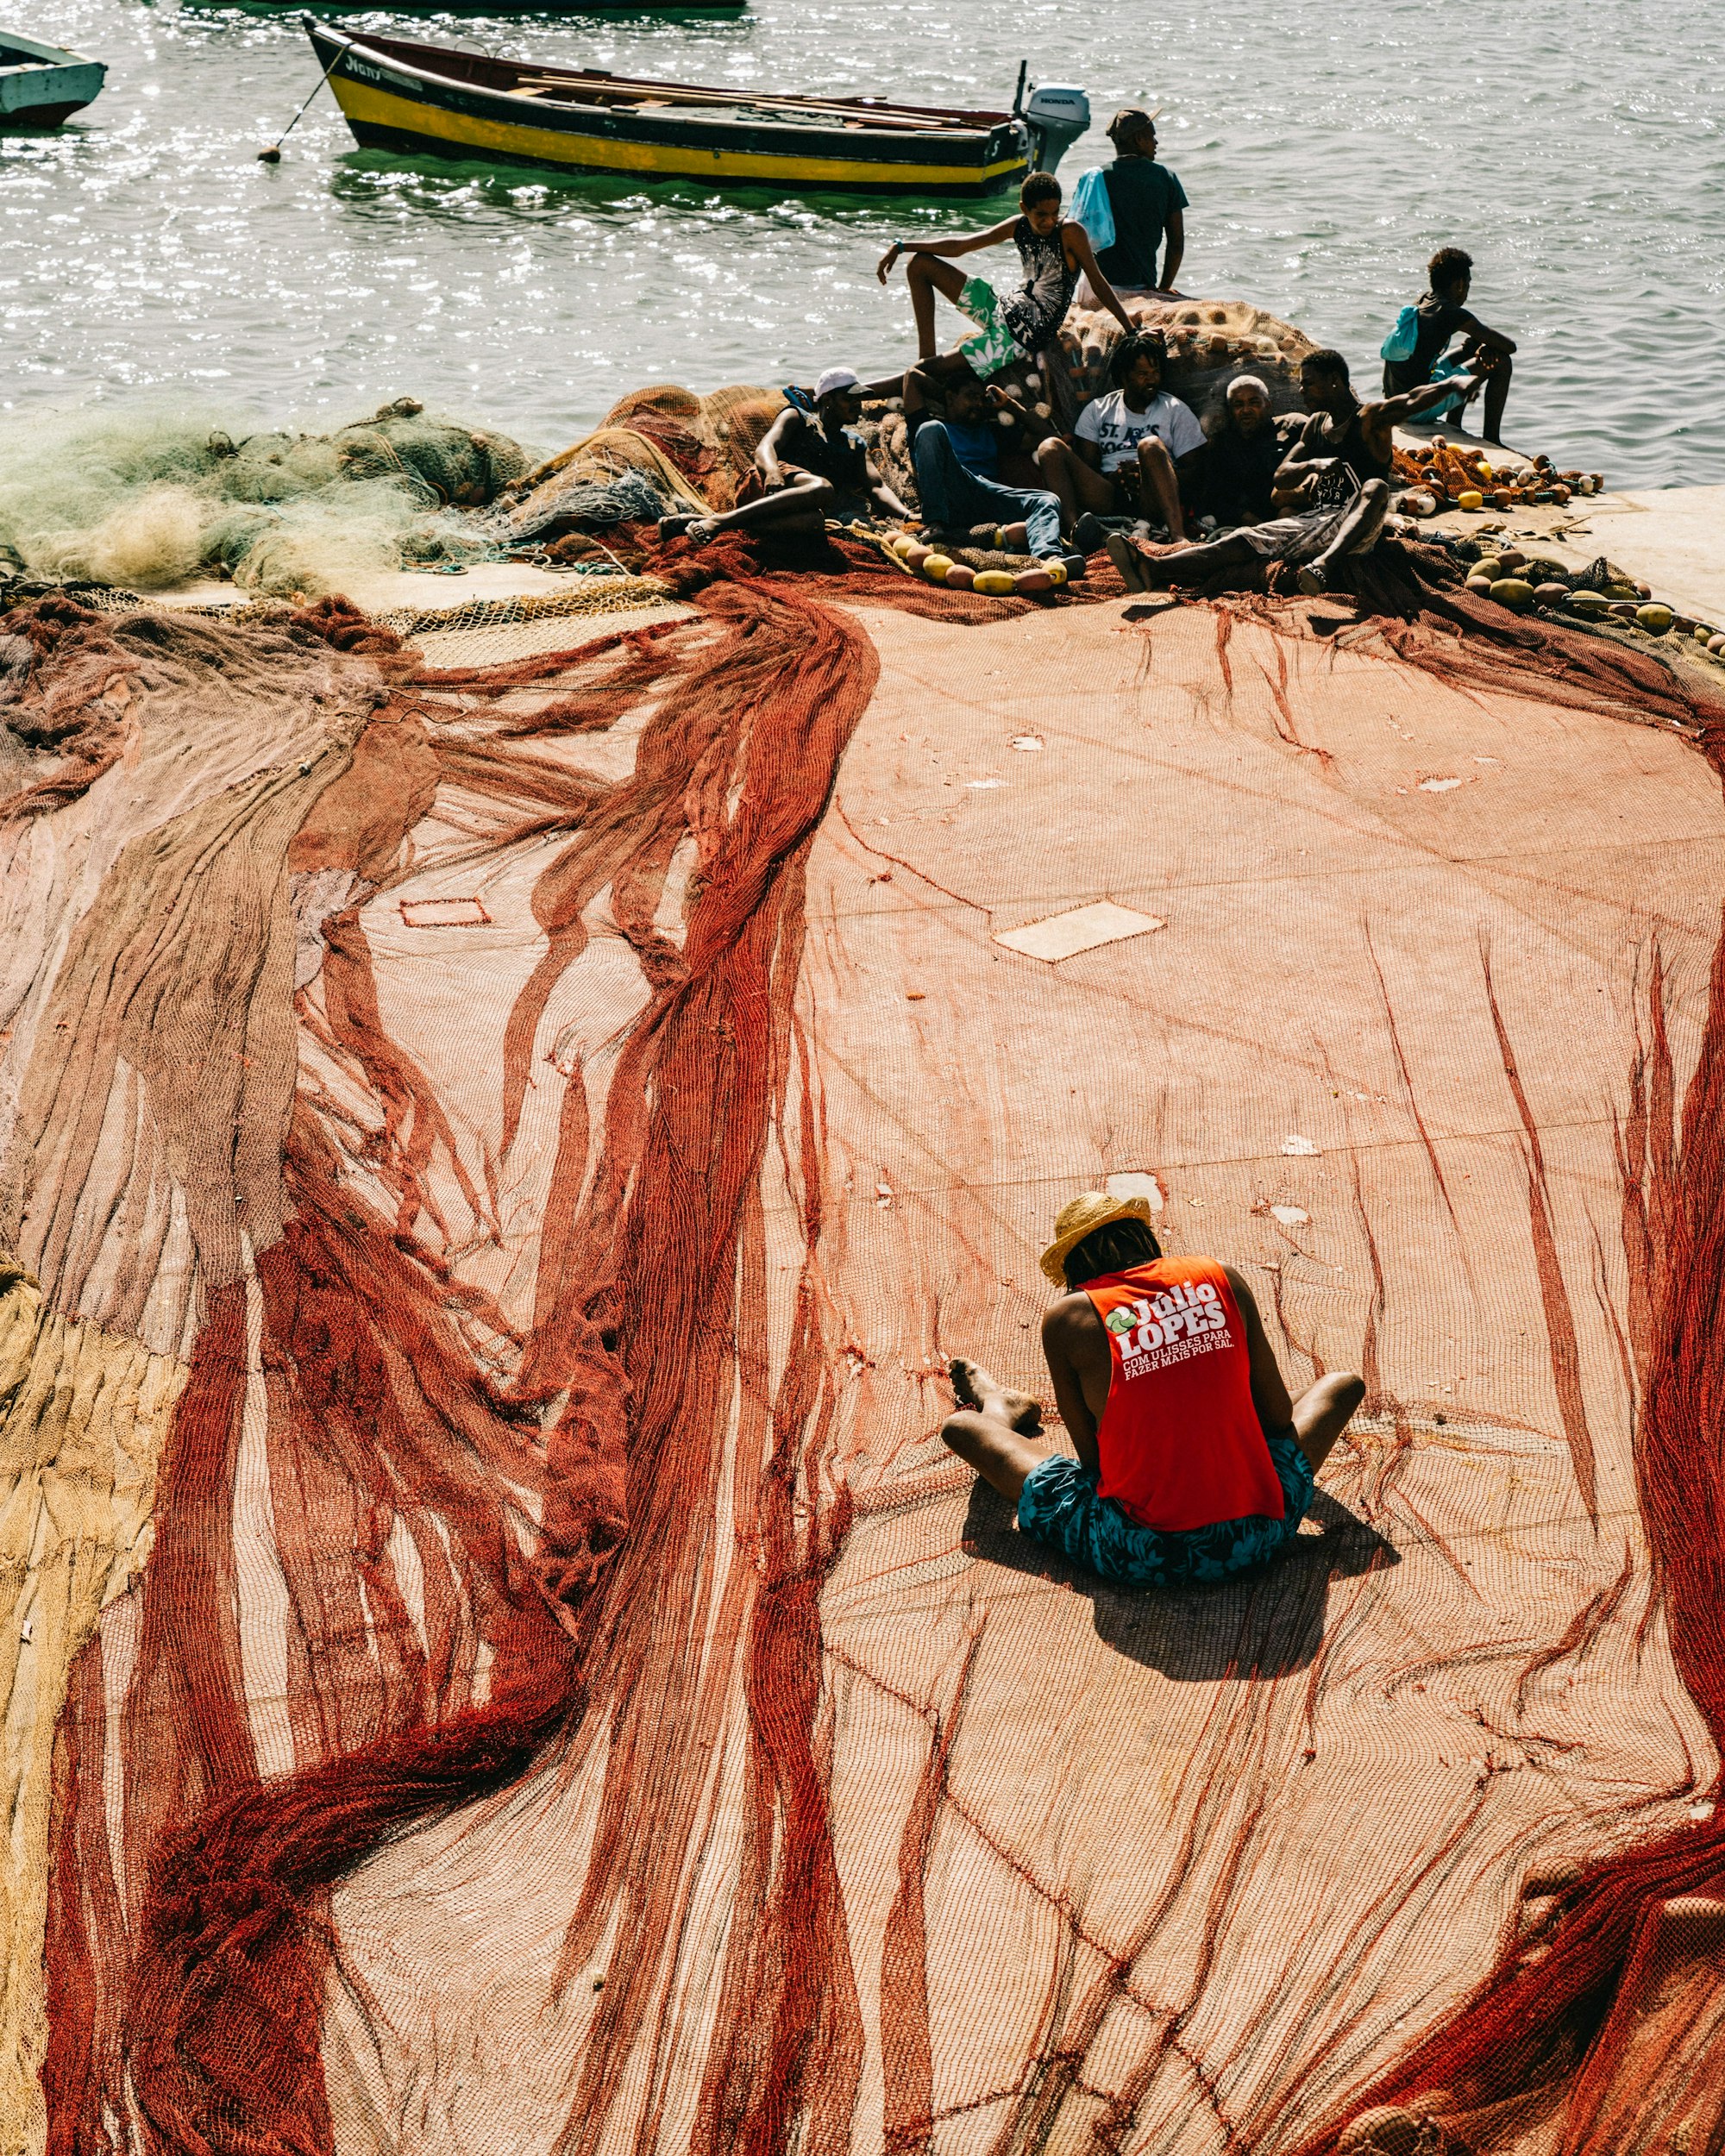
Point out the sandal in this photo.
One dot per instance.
(1125, 557)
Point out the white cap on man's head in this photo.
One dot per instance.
(836, 377)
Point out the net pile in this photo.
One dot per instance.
(150, 504)
(497, 1156)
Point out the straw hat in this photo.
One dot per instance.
(1083, 1215)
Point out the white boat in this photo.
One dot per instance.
(43, 85)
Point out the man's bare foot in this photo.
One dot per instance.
(696, 529)
(974, 1387)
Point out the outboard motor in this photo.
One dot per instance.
(1057, 115)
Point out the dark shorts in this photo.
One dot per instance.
(1059, 1505)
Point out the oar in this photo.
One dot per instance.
(273, 155)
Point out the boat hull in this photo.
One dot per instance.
(408, 113)
(539, 9)
(37, 93)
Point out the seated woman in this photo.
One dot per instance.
(1193, 1463)
(809, 468)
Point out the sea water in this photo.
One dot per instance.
(1327, 147)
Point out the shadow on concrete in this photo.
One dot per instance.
(1262, 1623)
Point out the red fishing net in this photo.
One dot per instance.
(551, 1118)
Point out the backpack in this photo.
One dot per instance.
(1402, 339)
(1093, 209)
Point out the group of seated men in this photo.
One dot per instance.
(1264, 489)
(1193, 1461)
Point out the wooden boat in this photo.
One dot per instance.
(549, 9)
(43, 85)
(432, 99)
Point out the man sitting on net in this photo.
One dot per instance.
(810, 468)
(957, 462)
(1243, 455)
(1334, 482)
(1132, 448)
(1193, 1462)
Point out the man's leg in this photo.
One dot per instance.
(1159, 482)
(1496, 396)
(953, 499)
(894, 384)
(1322, 1414)
(1071, 481)
(1155, 572)
(1356, 534)
(938, 474)
(926, 274)
(995, 1432)
(1040, 515)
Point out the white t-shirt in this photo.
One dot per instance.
(1117, 430)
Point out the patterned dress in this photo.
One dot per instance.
(1035, 313)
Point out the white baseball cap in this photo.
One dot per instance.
(836, 377)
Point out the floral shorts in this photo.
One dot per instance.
(1059, 1505)
(993, 345)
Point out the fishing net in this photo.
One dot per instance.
(145, 503)
(497, 1156)
(1209, 342)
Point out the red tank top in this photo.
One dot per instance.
(1180, 1440)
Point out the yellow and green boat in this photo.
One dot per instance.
(434, 100)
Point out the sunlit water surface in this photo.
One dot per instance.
(1577, 151)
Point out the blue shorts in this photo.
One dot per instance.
(1059, 1505)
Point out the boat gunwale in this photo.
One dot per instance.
(35, 55)
(953, 123)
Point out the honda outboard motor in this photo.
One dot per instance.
(1057, 115)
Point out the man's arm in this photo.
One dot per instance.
(880, 494)
(1495, 339)
(1269, 1392)
(1058, 1326)
(1175, 229)
(1079, 240)
(1391, 411)
(1033, 423)
(767, 449)
(1298, 467)
(966, 243)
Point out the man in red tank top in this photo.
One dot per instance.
(1193, 1461)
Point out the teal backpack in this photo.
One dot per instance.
(1092, 208)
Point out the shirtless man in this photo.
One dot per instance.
(1193, 1461)
(809, 468)
(1055, 252)
(1335, 483)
